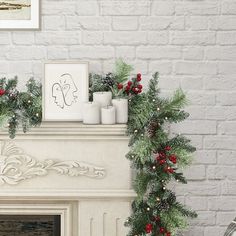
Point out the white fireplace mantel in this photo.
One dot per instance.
(74, 163)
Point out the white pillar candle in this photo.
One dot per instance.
(91, 113)
(121, 105)
(108, 115)
(103, 98)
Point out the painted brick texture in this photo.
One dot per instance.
(192, 43)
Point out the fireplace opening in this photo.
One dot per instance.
(30, 225)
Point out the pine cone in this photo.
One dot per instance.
(108, 80)
(163, 206)
(172, 198)
(151, 129)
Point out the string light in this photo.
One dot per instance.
(37, 114)
(148, 208)
(29, 101)
(166, 118)
(154, 167)
(153, 100)
(136, 131)
(158, 109)
(158, 199)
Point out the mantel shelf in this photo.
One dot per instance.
(71, 130)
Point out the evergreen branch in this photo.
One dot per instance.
(122, 71)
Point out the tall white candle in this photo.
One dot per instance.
(91, 113)
(103, 98)
(121, 105)
(108, 115)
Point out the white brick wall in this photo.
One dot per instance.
(192, 43)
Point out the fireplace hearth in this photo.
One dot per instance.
(30, 225)
(68, 170)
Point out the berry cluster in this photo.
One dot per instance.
(161, 230)
(132, 87)
(166, 159)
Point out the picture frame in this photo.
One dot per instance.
(65, 90)
(24, 15)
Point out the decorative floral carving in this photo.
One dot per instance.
(16, 166)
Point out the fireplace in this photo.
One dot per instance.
(30, 225)
(71, 178)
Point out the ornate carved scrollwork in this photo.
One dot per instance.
(17, 166)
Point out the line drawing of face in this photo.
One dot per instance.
(64, 91)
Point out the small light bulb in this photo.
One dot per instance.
(158, 109)
(166, 118)
(153, 100)
(148, 209)
(136, 131)
(141, 135)
(154, 167)
(164, 188)
(158, 199)
(29, 101)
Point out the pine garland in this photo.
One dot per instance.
(155, 156)
(157, 159)
(19, 108)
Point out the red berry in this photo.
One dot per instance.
(157, 218)
(168, 169)
(139, 79)
(139, 75)
(127, 88)
(162, 155)
(173, 158)
(161, 162)
(167, 148)
(140, 91)
(168, 234)
(162, 230)
(135, 90)
(140, 86)
(2, 92)
(120, 86)
(148, 228)
(129, 83)
(171, 170)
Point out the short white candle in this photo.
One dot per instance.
(108, 115)
(121, 105)
(103, 98)
(91, 113)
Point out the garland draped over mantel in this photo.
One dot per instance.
(156, 157)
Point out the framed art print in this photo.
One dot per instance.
(65, 89)
(19, 14)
